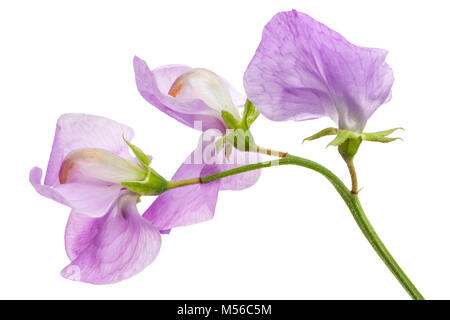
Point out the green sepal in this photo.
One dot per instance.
(140, 155)
(381, 136)
(238, 134)
(252, 118)
(385, 132)
(249, 116)
(322, 133)
(153, 184)
(230, 121)
(367, 137)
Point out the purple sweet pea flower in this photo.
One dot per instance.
(304, 70)
(193, 97)
(107, 240)
(188, 95)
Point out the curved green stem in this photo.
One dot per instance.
(350, 199)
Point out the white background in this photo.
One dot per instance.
(290, 236)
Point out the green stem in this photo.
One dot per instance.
(350, 199)
(182, 183)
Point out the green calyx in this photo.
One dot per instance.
(248, 117)
(153, 183)
(349, 147)
(140, 155)
(348, 142)
(238, 134)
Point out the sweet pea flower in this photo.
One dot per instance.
(106, 238)
(190, 95)
(196, 98)
(303, 70)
